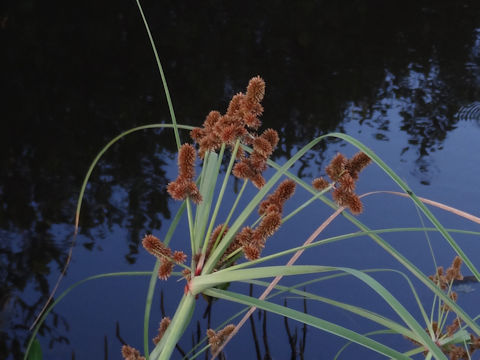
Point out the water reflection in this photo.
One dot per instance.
(79, 76)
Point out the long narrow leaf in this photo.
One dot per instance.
(309, 320)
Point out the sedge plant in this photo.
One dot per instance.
(222, 252)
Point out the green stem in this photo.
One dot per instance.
(162, 75)
(220, 195)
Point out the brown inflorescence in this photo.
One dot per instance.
(130, 353)
(445, 279)
(241, 117)
(343, 173)
(252, 241)
(240, 122)
(184, 186)
(252, 167)
(164, 254)
(161, 330)
(216, 339)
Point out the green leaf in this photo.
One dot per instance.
(35, 351)
(309, 320)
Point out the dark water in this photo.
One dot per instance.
(403, 77)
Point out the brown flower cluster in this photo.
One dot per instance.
(253, 240)
(130, 353)
(252, 167)
(455, 352)
(242, 116)
(164, 254)
(217, 339)
(241, 121)
(344, 173)
(161, 330)
(185, 185)
(445, 279)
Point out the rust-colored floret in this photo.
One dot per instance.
(357, 163)
(283, 192)
(344, 172)
(184, 185)
(453, 272)
(161, 329)
(165, 270)
(336, 167)
(320, 183)
(164, 254)
(179, 257)
(216, 340)
(271, 136)
(255, 89)
(130, 353)
(155, 247)
(269, 225)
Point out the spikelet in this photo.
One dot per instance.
(453, 272)
(186, 162)
(161, 329)
(336, 167)
(255, 89)
(262, 147)
(184, 185)
(130, 353)
(269, 225)
(347, 183)
(242, 170)
(357, 163)
(271, 136)
(216, 340)
(155, 247)
(179, 257)
(235, 104)
(283, 192)
(164, 254)
(251, 252)
(320, 183)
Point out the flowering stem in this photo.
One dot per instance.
(230, 214)
(220, 195)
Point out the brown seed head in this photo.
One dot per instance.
(269, 225)
(271, 136)
(255, 89)
(357, 163)
(336, 167)
(320, 183)
(155, 247)
(165, 270)
(130, 353)
(262, 146)
(179, 257)
(217, 339)
(235, 104)
(161, 329)
(186, 162)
